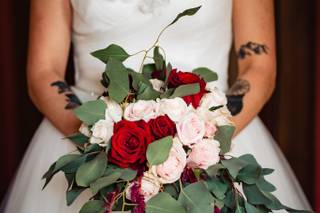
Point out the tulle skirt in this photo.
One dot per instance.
(26, 195)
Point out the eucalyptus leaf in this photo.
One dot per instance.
(158, 151)
(73, 166)
(217, 187)
(224, 136)
(114, 51)
(185, 90)
(73, 194)
(188, 12)
(147, 93)
(206, 74)
(265, 185)
(91, 111)
(93, 206)
(234, 165)
(213, 171)
(196, 198)
(250, 174)
(78, 138)
(255, 196)
(158, 59)
(164, 203)
(104, 181)
(91, 170)
(119, 80)
(64, 160)
(147, 70)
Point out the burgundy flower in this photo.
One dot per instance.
(182, 78)
(162, 126)
(129, 143)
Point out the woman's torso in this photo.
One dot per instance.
(201, 40)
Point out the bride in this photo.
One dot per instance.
(134, 24)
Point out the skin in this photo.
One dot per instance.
(253, 20)
(49, 45)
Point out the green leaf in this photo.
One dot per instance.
(93, 206)
(250, 174)
(126, 174)
(91, 170)
(251, 209)
(65, 160)
(158, 151)
(185, 90)
(265, 185)
(188, 12)
(217, 187)
(172, 189)
(158, 59)
(147, 70)
(91, 111)
(224, 136)
(91, 148)
(164, 203)
(78, 138)
(104, 181)
(139, 78)
(206, 74)
(119, 80)
(213, 171)
(73, 166)
(254, 195)
(113, 51)
(234, 165)
(73, 194)
(48, 175)
(196, 198)
(147, 93)
(267, 171)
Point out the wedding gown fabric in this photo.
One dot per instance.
(201, 40)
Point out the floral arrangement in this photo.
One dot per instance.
(157, 141)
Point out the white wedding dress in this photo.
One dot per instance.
(201, 40)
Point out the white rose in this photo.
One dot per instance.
(149, 187)
(157, 84)
(214, 98)
(219, 117)
(171, 170)
(102, 132)
(113, 111)
(175, 108)
(191, 128)
(204, 154)
(85, 130)
(141, 110)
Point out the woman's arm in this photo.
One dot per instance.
(253, 25)
(49, 44)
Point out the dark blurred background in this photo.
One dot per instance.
(289, 115)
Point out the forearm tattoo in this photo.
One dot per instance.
(235, 95)
(251, 48)
(72, 100)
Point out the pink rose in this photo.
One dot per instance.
(191, 129)
(211, 129)
(204, 154)
(141, 110)
(171, 170)
(213, 99)
(149, 187)
(175, 108)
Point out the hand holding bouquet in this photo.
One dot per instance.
(157, 141)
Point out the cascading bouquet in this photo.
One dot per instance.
(157, 141)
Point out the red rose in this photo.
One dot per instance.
(129, 143)
(181, 78)
(162, 126)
